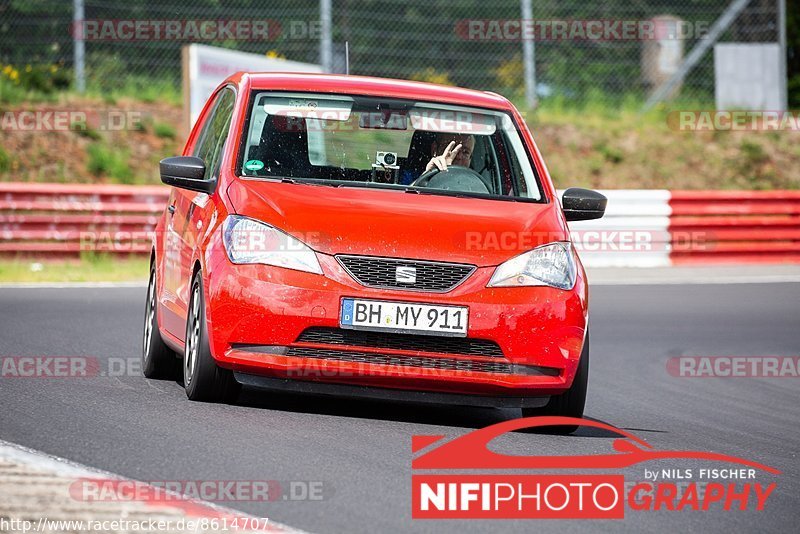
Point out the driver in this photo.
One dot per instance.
(456, 150)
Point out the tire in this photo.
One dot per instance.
(570, 403)
(158, 360)
(203, 379)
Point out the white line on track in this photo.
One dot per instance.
(70, 285)
(766, 279)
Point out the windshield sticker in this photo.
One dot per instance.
(325, 109)
(254, 165)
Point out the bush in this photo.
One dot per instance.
(164, 130)
(509, 77)
(105, 161)
(38, 78)
(431, 75)
(84, 130)
(108, 77)
(32, 82)
(5, 160)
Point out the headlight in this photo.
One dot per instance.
(548, 265)
(250, 241)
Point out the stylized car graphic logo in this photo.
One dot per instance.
(470, 451)
(405, 275)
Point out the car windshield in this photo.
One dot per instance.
(376, 142)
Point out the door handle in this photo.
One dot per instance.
(171, 209)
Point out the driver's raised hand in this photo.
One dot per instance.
(447, 157)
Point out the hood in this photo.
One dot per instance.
(379, 222)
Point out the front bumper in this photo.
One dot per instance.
(256, 314)
(385, 394)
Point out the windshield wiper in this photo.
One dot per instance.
(397, 187)
(462, 194)
(306, 181)
(367, 185)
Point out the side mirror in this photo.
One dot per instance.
(583, 204)
(186, 172)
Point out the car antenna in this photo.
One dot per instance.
(347, 57)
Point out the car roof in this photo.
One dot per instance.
(366, 85)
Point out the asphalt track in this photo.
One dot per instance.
(360, 451)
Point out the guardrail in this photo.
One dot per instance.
(634, 232)
(641, 228)
(58, 219)
(646, 228)
(735, 226)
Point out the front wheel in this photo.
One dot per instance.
(158, 361)
(570, 403)
(203, 379)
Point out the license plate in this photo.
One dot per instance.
(406, 317)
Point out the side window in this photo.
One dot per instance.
(516, 170)
(201, 146)
(215, 132)
(220, 125)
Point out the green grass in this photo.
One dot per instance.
(5, 160)
(164, 130)
(105, 161)
(592, 144)
(86, 269)
(133, 88)
(12, 93)
(86, 131)
(597, 110)
(139, 88)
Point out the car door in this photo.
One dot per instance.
(210, 151)
(181, 235)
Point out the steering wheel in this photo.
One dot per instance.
(455, 178)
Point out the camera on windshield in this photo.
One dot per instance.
(385, 169)
(386, 159)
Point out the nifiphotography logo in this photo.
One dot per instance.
(601, 493)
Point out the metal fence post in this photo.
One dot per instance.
(326, 42)
(462, 47)
(77, 39)
(529, 58)
(717, 29)
(782, 65)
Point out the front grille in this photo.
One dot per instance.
(449, 364)
(410, 342)
(430, 276)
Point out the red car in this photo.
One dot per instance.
(368, 237)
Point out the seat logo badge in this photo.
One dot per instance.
(405, 275)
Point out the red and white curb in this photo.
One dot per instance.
(39, 488)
